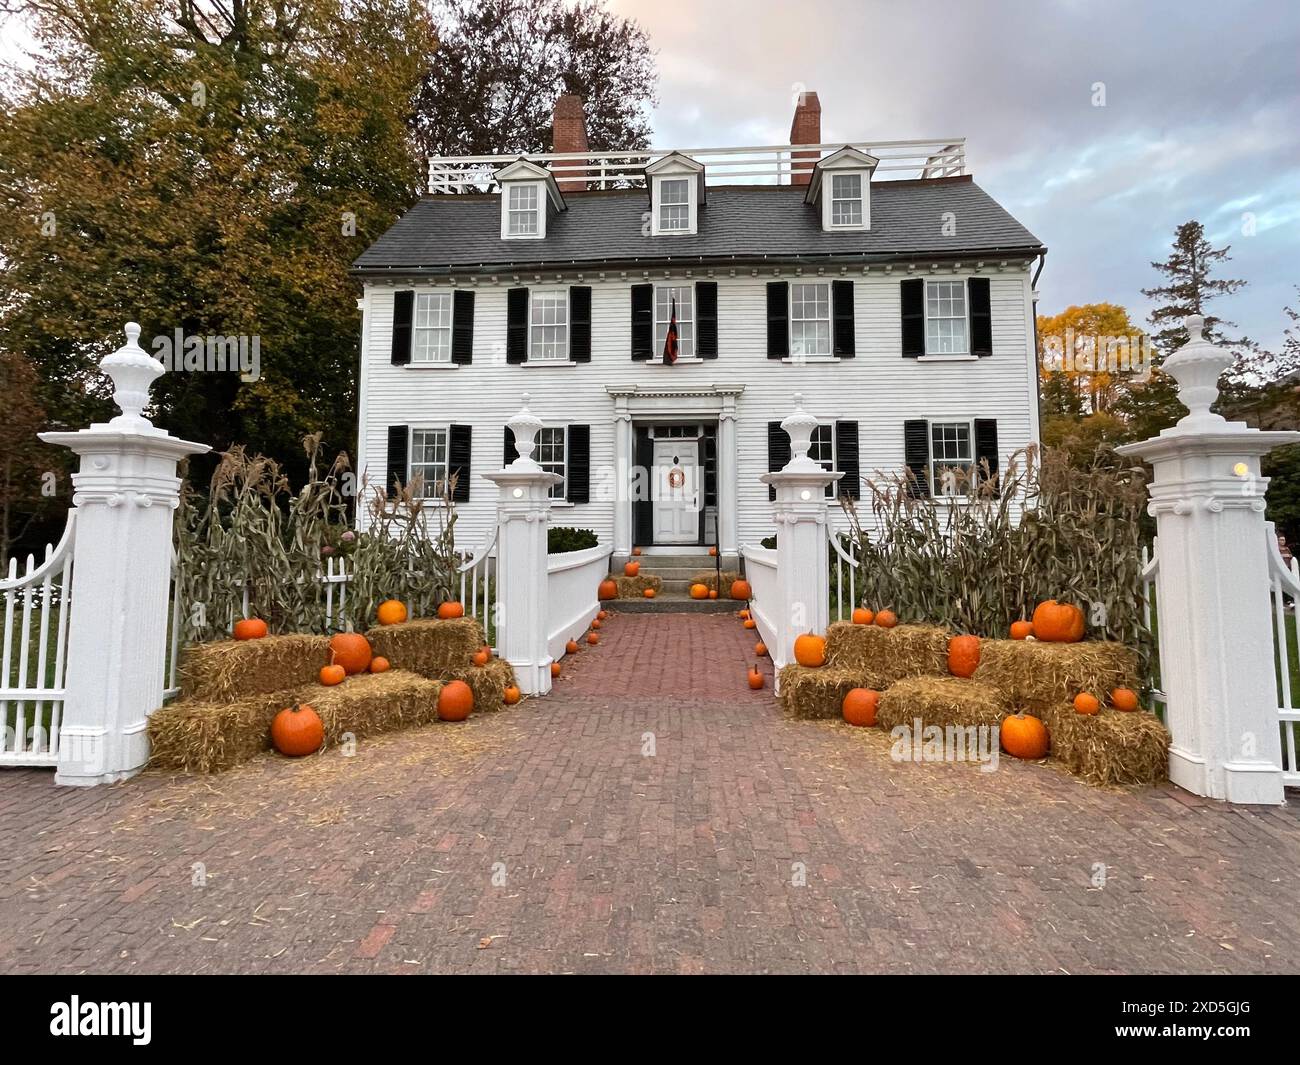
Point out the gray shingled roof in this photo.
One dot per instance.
(739, 223)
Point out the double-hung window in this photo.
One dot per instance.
(945, 318)
(666, 296)
(551, 458)
(821, 450)
(429, 461)
(523, 211)
(432, 327)
(674, 205)
(846, 199)
(549, 326)
(810, 318)
(952, 460)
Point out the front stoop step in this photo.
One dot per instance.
(674, 604)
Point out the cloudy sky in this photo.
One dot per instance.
(1201, 117)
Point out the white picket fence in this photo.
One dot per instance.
(33, 653)
(765, 600)
(1284, 590)
(572, 578)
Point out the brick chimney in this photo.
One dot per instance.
(569, 134)
(805, 129)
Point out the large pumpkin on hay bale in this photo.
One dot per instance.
(391, 612)
(810, 650)
(455, 701)
(963, 655)
(860, 707)
(886, 619)
(740, 589)
(297, 730)
(1058, 622)
(863, 616)
(1024, 736)
(1124, 699)
(249, 629)
(607, 590)
(447, 611)
(352, 651)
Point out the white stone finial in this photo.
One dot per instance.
(524, 426)
(1196, 366)
(800, 426)
(133, 371)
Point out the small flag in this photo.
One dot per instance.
(670, 341)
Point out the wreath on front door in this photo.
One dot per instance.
(676, 478)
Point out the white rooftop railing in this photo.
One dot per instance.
(764, 165)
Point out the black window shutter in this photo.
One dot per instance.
(778, 452)
(580, 323)
(981, 318)
(578, 458)
(643, 509)
(458, 465)
(403, 306)
(509, 452)
(462, 328)
(706, 319)
(986, 448)
(398, 449)
(846, 459)
(913, 301)
(842, 313)
(778, 319)
(643, 321)
(916, 456)
(517, 325)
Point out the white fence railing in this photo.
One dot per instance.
(572, 579)
(846, 575)
(1284, 590)
(1150, 568)
(766, 603)
(33, 655)
(762, 164)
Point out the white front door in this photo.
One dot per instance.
(676, 498)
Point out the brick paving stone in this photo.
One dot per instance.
(544, 839)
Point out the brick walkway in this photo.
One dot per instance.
(543, 839)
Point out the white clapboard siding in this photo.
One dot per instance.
(878, 388)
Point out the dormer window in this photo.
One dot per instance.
(841, 187)
(523, 208)
(676, 195)
(529, 193)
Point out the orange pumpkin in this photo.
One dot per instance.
(391, 612)
(750, 623)
(379, 664)
(1024, 736)
(760, 649)
(331, 675)
(571, 648)
(249, 629)
(886, 619)
(863, 616)
(756, 678)
(636, 550)
(555, 669)
(743, 614)
(1021, 629)
(446, 611)
(1058, 622)
(350, 650)
(713, 593)
(595, 624)
(1084, 703)
(649, 593)
(297, 730)
(963, 655)
(607, 590)
(511, 695)
(593, 638)
(455, 701)
(810, 650)
(699, 591)
(740, 590)
(1124, 699)
(631, 569)
(713, 552)
(482, 656)
(859, 707)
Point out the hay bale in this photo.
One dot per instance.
(488, 684)
(889, 655)
(438, 650)
(1109, 747)
(709, 578)
(370, 703)
(231, 670)
(941, 701)
(813, 693)
(204, 736)
(1036, 675)
(634, 587)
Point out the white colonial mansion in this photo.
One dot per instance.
(878, 280)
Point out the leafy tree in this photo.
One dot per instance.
(502, 63)
(24, 460)
(212, 166)
(1077, 337)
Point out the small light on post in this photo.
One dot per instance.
(518, 493)
(805, 495)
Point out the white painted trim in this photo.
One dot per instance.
(692, 205)
(363, 407)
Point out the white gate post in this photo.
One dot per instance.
(1212, 588)
(802, 549)
(124, 492)
(523, 515)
